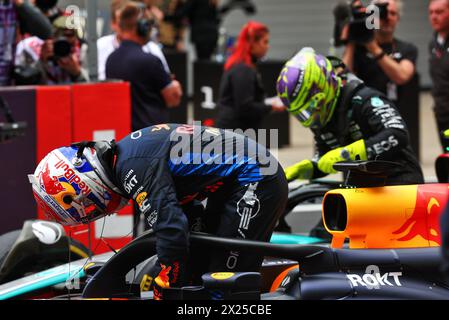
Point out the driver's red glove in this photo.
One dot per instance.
(171, 276)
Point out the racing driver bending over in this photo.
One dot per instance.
(349, 120)
(167, 170)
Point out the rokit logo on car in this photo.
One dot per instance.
(373, 279)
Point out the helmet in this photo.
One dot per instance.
(71, 184)
(309, 87)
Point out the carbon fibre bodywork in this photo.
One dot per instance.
(324, 273)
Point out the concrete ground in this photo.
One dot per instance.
(301, 146)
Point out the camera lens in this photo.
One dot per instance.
(62, 48)
(45, 5)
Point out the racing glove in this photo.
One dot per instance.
(446, 133)
(170, 276)
(300, 170)
(353, 151)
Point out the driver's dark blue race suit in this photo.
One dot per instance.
(169, 169)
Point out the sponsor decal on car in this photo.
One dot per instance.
(373, 279)
(222, 275)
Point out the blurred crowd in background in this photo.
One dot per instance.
(46, 44)
(42, 43)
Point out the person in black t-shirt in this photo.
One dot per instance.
(204, 21)
(389, 65)
(385, 62)
(242, 102)
(439, 65)
(152, 89)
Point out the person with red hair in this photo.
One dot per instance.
(242, 102)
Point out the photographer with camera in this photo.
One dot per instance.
(17, 17)
(57, 60)
(371, 50)
(439, 66)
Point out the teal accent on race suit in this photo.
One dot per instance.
(377, 102)
(46, 282)
(293, 239)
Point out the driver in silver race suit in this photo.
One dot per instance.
(168, 170)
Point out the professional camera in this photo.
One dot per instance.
(61, 48)
(65, 35)
(49, 8)
(354, 14)
(246, 5)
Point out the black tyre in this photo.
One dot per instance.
(6, 242)
(38, 262)
(78, 250)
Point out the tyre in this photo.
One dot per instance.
(31, 262)
(6, 242)
(78, 250)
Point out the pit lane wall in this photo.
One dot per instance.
(57, 116)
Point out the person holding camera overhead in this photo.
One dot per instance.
(439, 69)
(376, 56)
(57, 60)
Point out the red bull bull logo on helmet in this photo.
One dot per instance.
(51, 184)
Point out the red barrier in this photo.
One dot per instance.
(53, 118)
(57, 116)
(101, 110)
